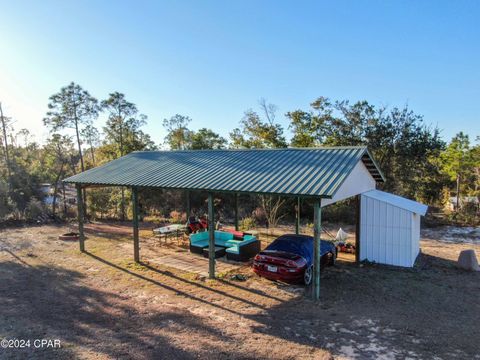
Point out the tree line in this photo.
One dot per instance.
(415, 160)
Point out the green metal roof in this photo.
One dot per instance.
(291, 171)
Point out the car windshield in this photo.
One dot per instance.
(298, 244)
(301, 245)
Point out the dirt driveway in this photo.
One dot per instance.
(101, 305)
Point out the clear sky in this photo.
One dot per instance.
(212, 60)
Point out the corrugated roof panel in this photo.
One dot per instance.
(306, 172)
(397, 201)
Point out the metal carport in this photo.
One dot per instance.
(328, 173)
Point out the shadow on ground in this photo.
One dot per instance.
(365, 312)
(51, 302)
(376, 311)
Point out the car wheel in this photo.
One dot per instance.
(308, 275)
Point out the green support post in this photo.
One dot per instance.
(317, 228)
(236, 211)
(297, 217)
(357, 229)
(80, 214)
(189, 209)
(211, 238)
(136, 246)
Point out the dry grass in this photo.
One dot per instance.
(102, 305)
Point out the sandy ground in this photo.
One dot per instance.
(101, 305)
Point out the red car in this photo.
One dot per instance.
(290, 259)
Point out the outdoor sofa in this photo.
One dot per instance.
(237, 250)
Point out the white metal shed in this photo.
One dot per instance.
(389, 228)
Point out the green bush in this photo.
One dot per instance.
(99, 202)
(5, 203)
(177, 217)
(34, 209)
(343, 211)
(467, 215)
(247, 223)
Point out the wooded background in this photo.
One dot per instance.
(416, 161)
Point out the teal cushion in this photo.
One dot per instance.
(221, 238)
(248, 241)
(220, 242)
(201, 243)
(232, 242)
(224, 236)
(233, 250)
(200, 236)
(235, 245)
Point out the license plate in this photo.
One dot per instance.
(271, 268)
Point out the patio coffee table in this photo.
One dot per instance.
(170, 230)
(219, 252)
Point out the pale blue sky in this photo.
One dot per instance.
(211, 60)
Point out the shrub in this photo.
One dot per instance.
(247, 223)
(258, 215)
(34, 209)
(175, 216)
(99, 202)
(343, 211)
(6, 205)
(468, 215)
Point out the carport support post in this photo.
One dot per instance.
(80, 214)
(236, 211)
(297, 217)
(357, 228)
(211, 238)
(188, 204)
(136, 247)
(317, 228)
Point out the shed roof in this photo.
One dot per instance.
(398, 201)
(291, 171)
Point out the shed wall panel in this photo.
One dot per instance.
(415, 236)
(386, 233)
